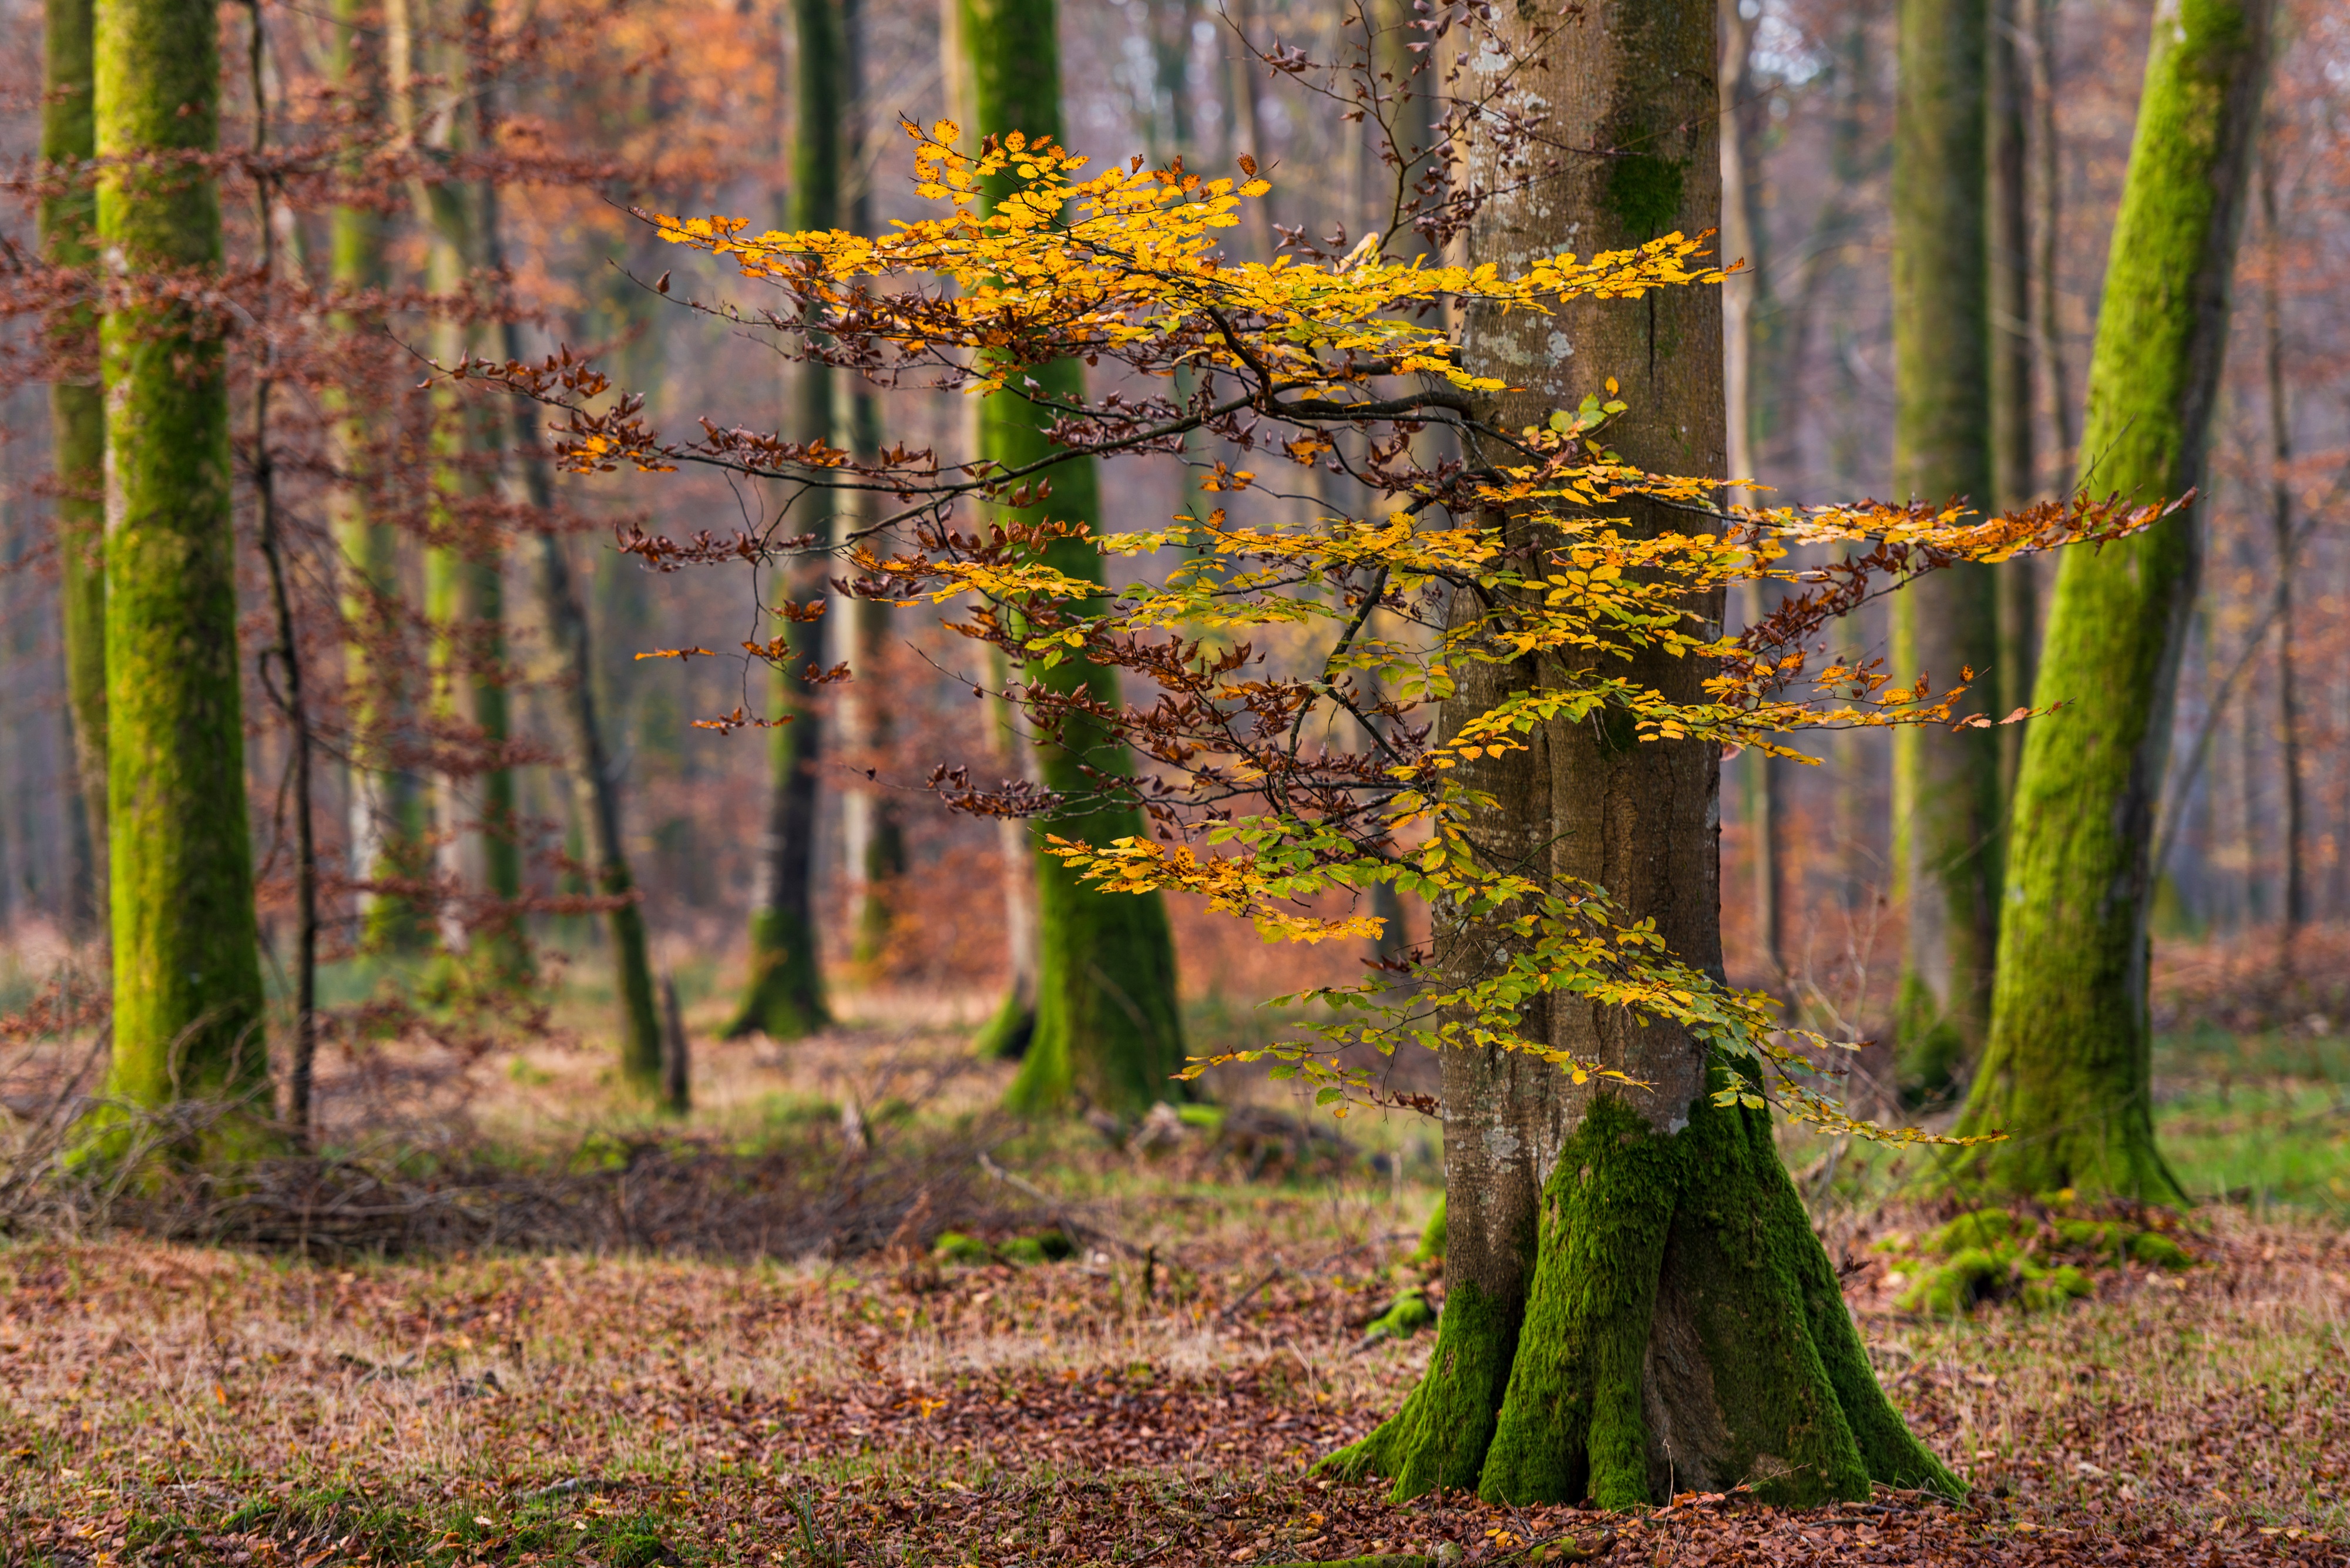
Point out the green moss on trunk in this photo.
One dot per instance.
(2067, 1073)
(1107, 1025)
(1441, 1436)
(1684, 1330)
(187, 977)
(1946, 797)
(77, 417)
(785, 997)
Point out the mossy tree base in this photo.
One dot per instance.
(784, 1000)
(1683, 1331)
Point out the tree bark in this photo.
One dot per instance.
(386, 829)
(77, 432)
(785, 999)
(2015, 463)
(1945, 785)
(1634, 1303)
(2296, 879)
(187, 976)
(595, 777)
(464, 579)
(1109, 1027)
(2066, 1074)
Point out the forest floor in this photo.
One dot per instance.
(1159, 1397)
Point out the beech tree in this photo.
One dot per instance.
(1636, 1298)
(77, 419)
(784, 997)
(2067, 1073)
(187, 973)
(1945, 784)
(1108, 1024)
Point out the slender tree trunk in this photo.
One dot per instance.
(785, 998)
(465, 590)
(876, 844)
(1745, 299)
(2048, 232)
(595, 777)
(2066, 1074)
(1109, 1024)
(291, 697)
(1635, 1301)
(386, 828)
(1945, 785)
(187, 977)
(78, 435)
(2296, 879)
(2015, 464)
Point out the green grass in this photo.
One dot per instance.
(2263, 1119)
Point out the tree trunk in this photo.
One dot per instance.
(785, 999)
(386, 832)
(2066, 1074)
(465, 582)
(2015, 464)
(1108, 1024)
(1945, 785)
(1746, 331)
(594, 778)
(2296, 879)
(187, 976)
(1635, 1304)
(77, 434)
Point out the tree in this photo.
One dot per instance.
(595, 782)
(1946, 786)
(785, 996)
(387, 831)
(1610, 1174)
(187, 975)
(2066, 1074)
(1586, 1221)
(77, 420)
(1108, 1024)
(464, 577)
(2015, 463)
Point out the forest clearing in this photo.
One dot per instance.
(1313, 784)
(1160, 1393)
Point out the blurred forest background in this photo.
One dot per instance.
(690, 108)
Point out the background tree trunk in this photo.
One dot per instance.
(1946, 797)
(386, 828)
(785, 998)
(188, 1011)
(1108, 1026)
(1635, 1301)
(2067, 1071)
(77, 432)
(2015, 464)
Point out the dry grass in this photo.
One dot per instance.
(1158, 1397)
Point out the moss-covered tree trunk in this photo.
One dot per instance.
(1634, 1303)
(785, 996)
(1946, 796)
(187, 975)
(1108, 1026)
(2066, 1072)
(464, 578)
(78, 428)
(387, 830)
